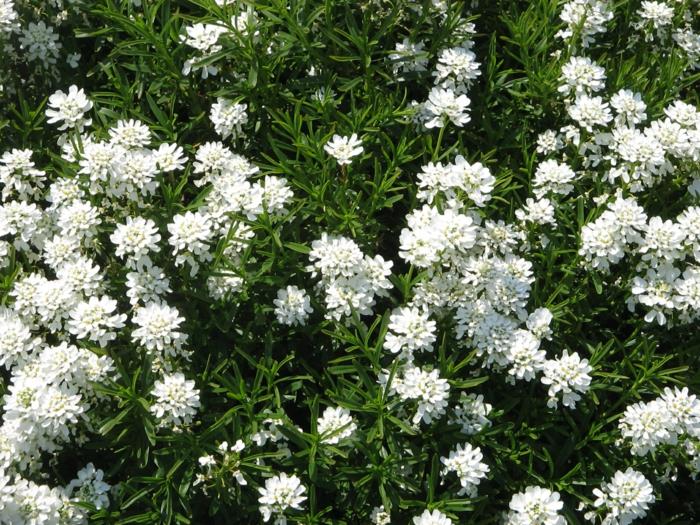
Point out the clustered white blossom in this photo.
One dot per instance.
(535, 506)
(335, 424)
(471, 414)
(226, 463)
(585, 19)
(280, 493)
(343, 149)
(662, 421)
(424, 389)
(476, 274)
(623, 499)
(292, 306)
(475, 181)
(465, 461)
(176, 400)
(351, 280)
(228, 118)
(432, 518)
(24, 502)
(454, 73)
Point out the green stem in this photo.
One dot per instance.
(436, 151)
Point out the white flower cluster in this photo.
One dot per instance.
(423, 388)
(662, 421)
(461, 177)
(465, 461)
(335, 424)
(660, 246)
(24, 502)
(455, 71)
(623, 499)
(176, 400)
(228, 118)
(585, 19)
(350, 279)
(8, 16)
(48, 399)
(409, 330)
(280, 493)
(69, 109)
(471, 414)
(409, 57)
(292, 306)
(204, 39)
(226, 464)
(343, 149)
(535, 506)
(432, 518)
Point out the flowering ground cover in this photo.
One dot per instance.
(349, 262)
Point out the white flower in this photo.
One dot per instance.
(548, 142)
(624, 498)
(39, 42)
(94, 320)
(659, 13)
(581, 74)
(135, 240)
(663, 240)
(536, 506)
(190, 234)
(335, 425)
(334, 256)
(647, 425)
(538, 211)
(18, 175)
(221, 287)
(590, 112)
(471, 413)
(427, 388)
(432, 518)
(280, 493)
(16, 340)
(69, 109)
(79, 219)
(380, 516)
(88, 487)
(551, 176)
(456, 68)
(465, 461)
(585, 18)
(343, 149)
(474, 179)
(147, 285)
(538, 323)
(158, 327)
(276, 194)
(203, 37)
(569, 375)
(443, 105)
(228, 117)
(524, 354)
(130, 134)
(177, 400)
(629, 106)
(410, 329)
(73, 59)
(409, 56)
(170, 157)
(8, 16)
(683, 409)
(292, 306)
